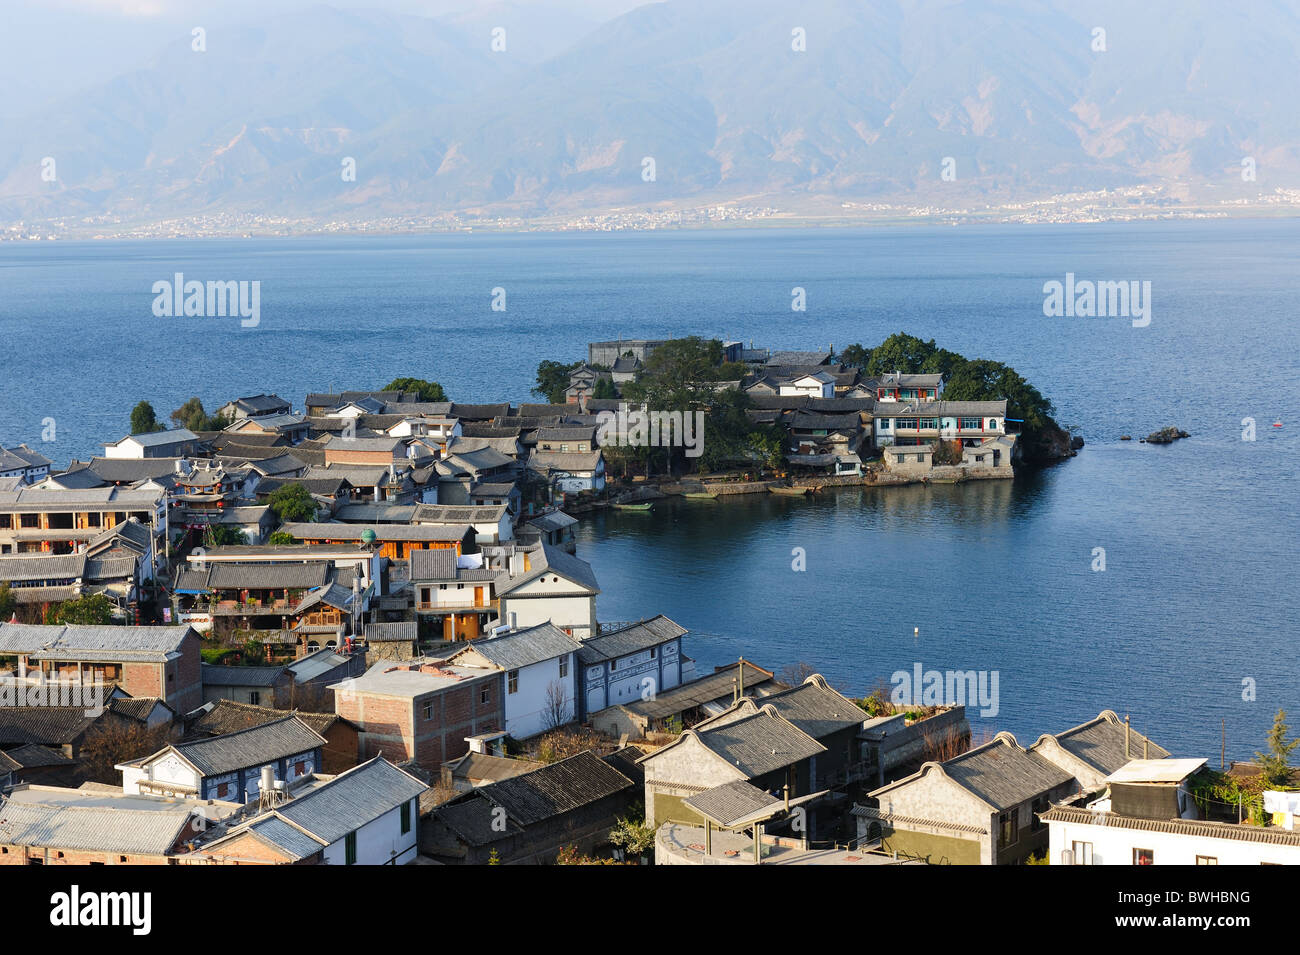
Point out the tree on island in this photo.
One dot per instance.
(1275, 765)
(292, 503)
(424, 390)
(973, 380)
(144, 420)
(553, 380)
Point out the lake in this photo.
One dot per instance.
(1199, 536)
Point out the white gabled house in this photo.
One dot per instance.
(539, 670)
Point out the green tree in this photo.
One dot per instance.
(220, 535)
(855, 356)
(8, 602)
(144, 420)
(553, 380)
(191, 415)
(604, 388)
(292, 503)
(93, 609)
(281, 539)
(1276, 763)
(426, 390)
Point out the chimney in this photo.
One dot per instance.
(741, 672)
(1127, 754)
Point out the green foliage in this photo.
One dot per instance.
(494, 858)
(292, 503)
(92, 609)
(604, 388)
(191, 415)
(220, 535)
(8, 602)
(1276, 763)
(427, 390)
(281, 539)
(632, 835)
(855, 356)
(553, 380)
(1038, 860)
(144, 420)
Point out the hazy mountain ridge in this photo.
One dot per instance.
(436, 121)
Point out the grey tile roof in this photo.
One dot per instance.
(43, 725)
(552, 560)
(1101, 743)
(554, 521)
(533, 798)
(351, 800)
(217, 675)
(294, 843)
(760, 743)
(816, 709)
(481, 766)
(92, 643)
(435, 564)
(391, 632)
(1002, 774)
(375, 511)
(280, 575)
(92, 828)
(33, 756)
(137, 708)
(467, 412)
(161, 438)
(523, 648)
(630, 639)
(250, 747)
(227, 716)
(732, 802)
(718, 685)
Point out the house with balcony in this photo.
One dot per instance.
(912, 423)
(161, 662)
(896, 386)
(394, 541)
(460, 602)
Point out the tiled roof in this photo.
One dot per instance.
(534, 797)
(523, 648)
(731, 802)
(351, 800)
(92, 643)
(227, 716)
(383, 532)
(999, 773)
(1102, 743)
(815, 708)
(399, 631)
(552, 560)
(717, 685)
(92, 828)
(630, 639)
(33, 756)
(136, 708)
(250, 747)
(760, 743)
(218, 675)
(458, 513)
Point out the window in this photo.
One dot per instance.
(993, 424)
(512, 681)
(1082, 852)
(254, 697)
(300, 767)
(222, 790)
(907, 423)
(969, 424)
(931, 423)
(350, 849)
(485, 695)
(564, 667)
(1144, 857)
(428, 709)
(1207, 860)
(1007, 829)
(1039, 805)
(406, 818)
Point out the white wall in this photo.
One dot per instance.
(526, 710)
(378, 841)
(1113, 845)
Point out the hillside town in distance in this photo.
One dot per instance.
(359, 630)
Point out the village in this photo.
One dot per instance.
(360, 630)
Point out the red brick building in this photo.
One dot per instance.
(145, 661)
(420, 711)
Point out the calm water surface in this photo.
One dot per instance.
(1200, 536)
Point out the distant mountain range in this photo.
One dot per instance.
(1013, 93)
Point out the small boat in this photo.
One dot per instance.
(791, 491)
(640, 506)
(700, 496)
(1277, 424)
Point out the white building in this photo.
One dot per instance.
(540, 670)
(159, 444)
(1147, 815)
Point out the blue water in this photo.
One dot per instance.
(1200, 536)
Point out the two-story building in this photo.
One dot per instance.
(634, 662)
